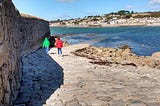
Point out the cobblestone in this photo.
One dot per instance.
(74, 81)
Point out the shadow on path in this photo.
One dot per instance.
(41, 76)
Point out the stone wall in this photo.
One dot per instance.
(18, 35)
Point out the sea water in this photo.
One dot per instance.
(144, 40)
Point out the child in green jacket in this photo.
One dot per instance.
(46, 45)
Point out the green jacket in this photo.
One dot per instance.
(46, 43)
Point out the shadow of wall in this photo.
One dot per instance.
(41, 76)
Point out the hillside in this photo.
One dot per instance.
(120, 18)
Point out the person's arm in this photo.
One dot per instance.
(43, 44)
(55, 43)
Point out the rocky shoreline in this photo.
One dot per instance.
(123, 56)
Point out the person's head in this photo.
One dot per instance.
(58, 38)
(46, 38)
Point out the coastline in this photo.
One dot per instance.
(109, 25)
(113, 37)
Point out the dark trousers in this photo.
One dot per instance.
(59, 50)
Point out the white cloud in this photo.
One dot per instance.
(129, 7)
(155, 8)
(66, 0)
(154, 2)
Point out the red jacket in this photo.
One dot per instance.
(59, 43)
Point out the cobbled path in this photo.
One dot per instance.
(84, 84)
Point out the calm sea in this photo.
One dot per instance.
(143, 40)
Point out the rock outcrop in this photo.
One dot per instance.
(123, 56)
(19, 34)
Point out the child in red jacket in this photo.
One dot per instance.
(59, 45)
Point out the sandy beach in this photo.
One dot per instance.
(86, 84)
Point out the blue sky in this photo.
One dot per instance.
(67, 9)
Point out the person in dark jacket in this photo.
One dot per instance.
(59, 45)
(52, 41)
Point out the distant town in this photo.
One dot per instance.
(120, 18)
